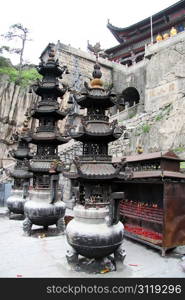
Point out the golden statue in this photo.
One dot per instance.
(165, 36)
(159, 37)
(173, 31)
(25, 125)
(139, 149)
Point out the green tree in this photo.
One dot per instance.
(22, 33)
(4, 48)
(5, 62)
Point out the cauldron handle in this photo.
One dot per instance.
(116, 197)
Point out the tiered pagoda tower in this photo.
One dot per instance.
(95, 231)
(45, 206)
(20, 174)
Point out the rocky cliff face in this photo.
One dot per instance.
(14, 102)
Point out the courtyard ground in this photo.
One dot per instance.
(43, 255)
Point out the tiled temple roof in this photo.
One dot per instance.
(98, 170)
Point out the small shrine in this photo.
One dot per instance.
(45, 206)
(153, 210)
(21, 173)
(95, 231)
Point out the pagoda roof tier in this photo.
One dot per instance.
(21, 173)
(51, 67)
(96, 131)
(48, 137)
(48, 89)
(93, 170)
(44, 166)
(165, 16)
(21, 153)
(97, 98)
(154, 155)
(45, 108)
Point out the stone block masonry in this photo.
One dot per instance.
(14, 102)
(80, 65)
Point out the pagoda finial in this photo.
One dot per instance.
(51, 54)
(96, 82)
(25, 125)
(97, 72)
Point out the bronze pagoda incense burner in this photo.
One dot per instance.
(45, 207)
(95, 232)
(21, 174)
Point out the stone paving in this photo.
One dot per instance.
(43, 255)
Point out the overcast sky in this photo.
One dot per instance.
(73, 21)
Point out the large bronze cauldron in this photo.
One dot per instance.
(16, 202)
(90, 234)
(39, 210)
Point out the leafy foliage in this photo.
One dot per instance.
(146, 128)
(4, 48)
(179, 149)
(164, 113)
(131, 115)
(159, 117)
(182, 165)
(5, 62)
(17, 31)
(28, 76)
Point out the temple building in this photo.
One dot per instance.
(133, 39)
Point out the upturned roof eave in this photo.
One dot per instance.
(140, 37)
(169, 9)
(58, 113)
(94, 136)
(89, 176)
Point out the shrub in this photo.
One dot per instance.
(179, 149)
(146, 128)
(28, 76)
(5, 62)
(131, 115)
(159, 117)
(10, 71)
